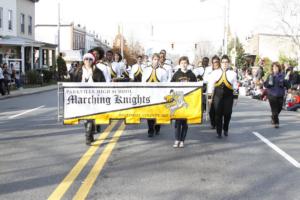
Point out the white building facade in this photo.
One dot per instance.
(272, 46)
(17, 37)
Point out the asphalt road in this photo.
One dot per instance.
(40, 158)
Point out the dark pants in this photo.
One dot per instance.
(2, 87)
(152, 127)
(212, 115)
(7, 85)
(276, 104)
(223, 110)
(181, 128)
(294, 107)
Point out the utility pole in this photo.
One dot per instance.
(122, 41)
(58, 29)
(226, 27)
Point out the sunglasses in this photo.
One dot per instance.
(89, 59)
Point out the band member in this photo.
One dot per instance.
(215, 66)
(154, 73)
(207, 69)
(275, 85)
(199, 71)
(163, 64)
(182, 75)
(98, 52)
(137, 70)
(117, 67)
(89, 73)
(146, 61)
(222, 90)
(126, 72)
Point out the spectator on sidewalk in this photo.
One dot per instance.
(260, 71)
(61, 67)
(7, 77)
(294, 101)
(2, 81)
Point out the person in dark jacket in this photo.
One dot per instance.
(182, 75)
(89, 73)
(276, 85)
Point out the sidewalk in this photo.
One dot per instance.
(28, 91)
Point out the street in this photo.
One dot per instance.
(42, 159)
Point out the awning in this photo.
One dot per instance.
(17, 41)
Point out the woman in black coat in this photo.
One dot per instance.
(89, 73)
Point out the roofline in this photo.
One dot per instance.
(52, 25)
(279, 35)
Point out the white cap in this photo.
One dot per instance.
(89, 55)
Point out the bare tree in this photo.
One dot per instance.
(288, 19)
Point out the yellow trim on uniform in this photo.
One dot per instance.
(112, 72)
(138, 72)
(224, 80)
(153, 77)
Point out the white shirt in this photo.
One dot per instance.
(216, 75)
(160, 72)
(169, 71)
(87, 75)
(116, 67)
(105, 70)
(134, 69)
(198, 71)
(207, 71)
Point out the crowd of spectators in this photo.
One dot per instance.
(252, 79)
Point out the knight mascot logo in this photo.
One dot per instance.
(175, 100)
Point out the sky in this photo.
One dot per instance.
(182, 22)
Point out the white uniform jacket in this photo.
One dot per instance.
(219, 77)
(154, 75)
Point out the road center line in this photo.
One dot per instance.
(278, 150)
(69, 179)
(25, 112)
(98, 166)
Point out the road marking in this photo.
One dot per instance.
(25, 112)
(69, 179)
(278, 150)
(98, 166)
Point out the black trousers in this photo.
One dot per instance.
(212, 115)
(223, 110)
(276, 104)
(152, 126)
(181, 128)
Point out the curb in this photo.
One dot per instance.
(25, 94)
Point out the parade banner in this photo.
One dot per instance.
(132, 102)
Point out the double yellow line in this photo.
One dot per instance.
(95, 171)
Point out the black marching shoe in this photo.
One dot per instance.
(219, 135)
(226, 133)
(272, 121)
(276, 126)
(98, 128)
(150, 134)
(89, 139)
(156, 132)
